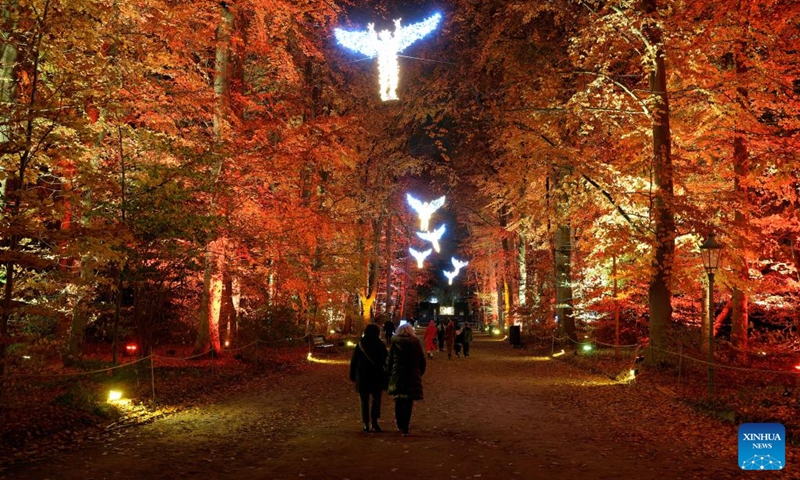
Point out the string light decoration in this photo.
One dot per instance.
(458, 264)
(433, 237)
(386, 45)
(420, 256)
(450, 276)
(425, 209)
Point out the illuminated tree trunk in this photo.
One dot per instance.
(562, 256)
(371, 269)
(208, 326)
(523, 270)
(389, 256)
(741, 168)
(660, 292)
(508, 268)
(227, 315)
(739, 317)
(563, 267)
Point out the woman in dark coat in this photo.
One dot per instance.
(450, 337)
(367, 371)
(406, 366)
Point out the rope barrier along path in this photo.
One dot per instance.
(74, 374)
(729, 367)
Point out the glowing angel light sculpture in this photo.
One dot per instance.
(424, 209)
(386, 46)
(450, 276)
(458, 264)
(433, 237)
(420, 256)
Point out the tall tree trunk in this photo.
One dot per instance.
(739, 317)
(660, 292)
(741, 168)
(371, 270)
(208, 327)
(8, 86)
(388, 252)
(523, 271)
(564, 308)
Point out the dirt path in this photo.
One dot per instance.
(500, 414)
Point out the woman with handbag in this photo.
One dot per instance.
(367, 371)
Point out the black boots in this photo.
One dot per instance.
(375, 427)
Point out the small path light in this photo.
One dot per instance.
(710, 251)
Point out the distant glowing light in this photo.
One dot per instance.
(386, 46)
(450, 276)
(458, 264)
(332, 331)
(496, 331)
(227, 343)
(420, 256)
(763, 353)
(350, 343)
(309, 357)
(114, 396)
(26, 357)
(433, 237)
(797, 367)
(425, 209)
(131, 348)
(587, 348)
(558, 354)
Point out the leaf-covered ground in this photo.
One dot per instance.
(502, 413)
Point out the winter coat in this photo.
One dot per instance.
(406, 366)
(467, 334)
(369, 376)
(450, 335)
(430, 337)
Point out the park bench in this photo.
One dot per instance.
(321, 344)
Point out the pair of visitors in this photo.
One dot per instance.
(399, 372)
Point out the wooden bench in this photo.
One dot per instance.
(320, 343)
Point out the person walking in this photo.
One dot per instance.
(449, 337)
(406, 365)
(431, 335)
(388, 330)
(368, 372)
(459, 340)
(466, 334)
(440, 334)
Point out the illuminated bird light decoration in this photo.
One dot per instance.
(433, 237)
(450, 276)
(386, 45)
(458, 264)
(420, 256)
(425, 209)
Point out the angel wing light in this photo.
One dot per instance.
(420, 256)
(450, 276)
(386, 46)
(433, 237)
(424, 209)
(458, 264)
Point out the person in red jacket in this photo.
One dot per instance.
(430, 338)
